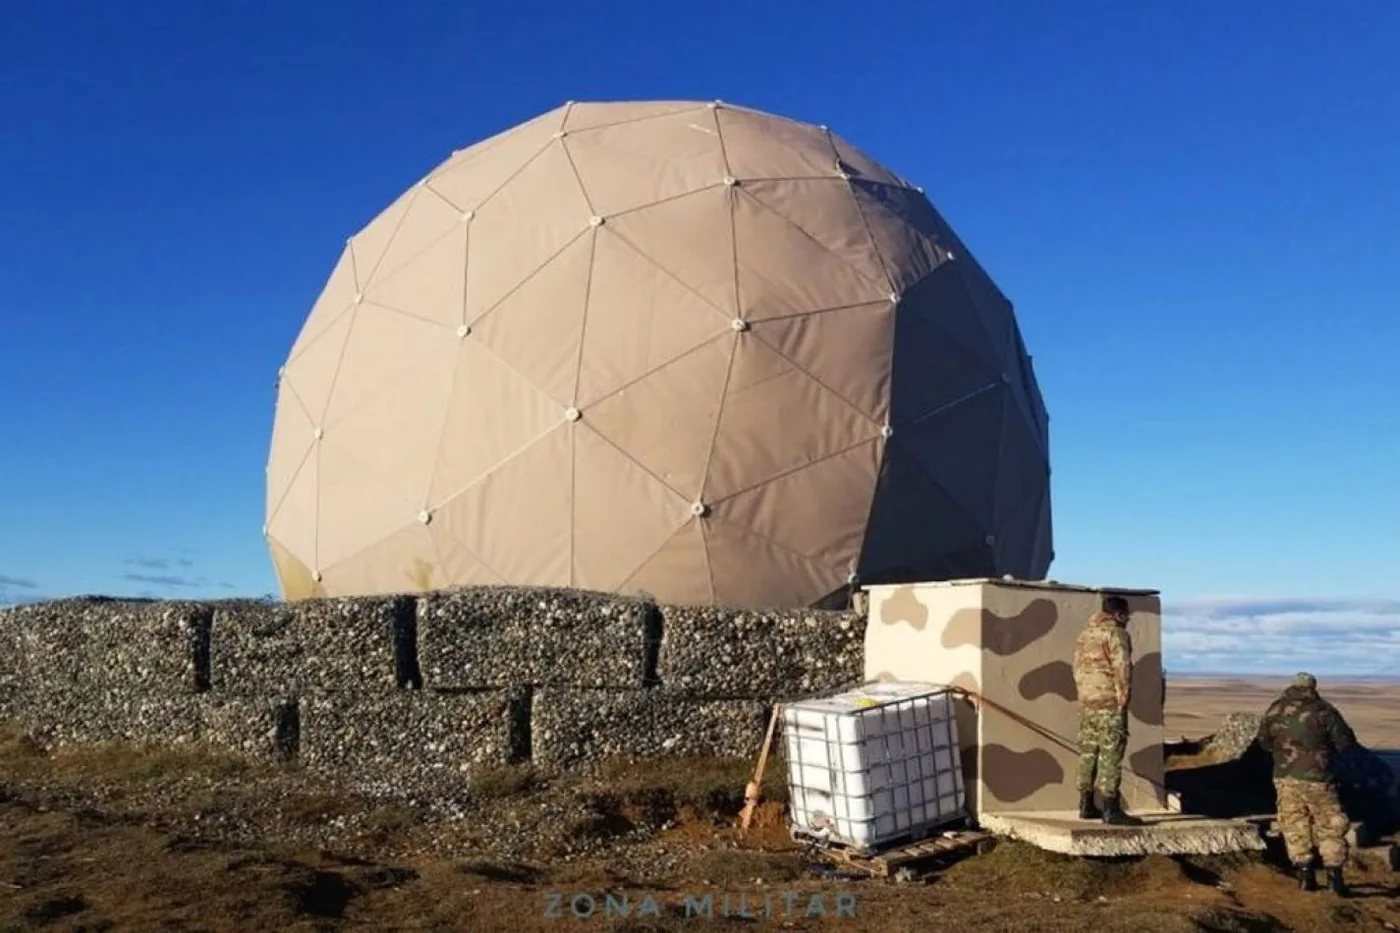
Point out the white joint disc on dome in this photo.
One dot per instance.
(463, 330)
(887, 431)
(560, 134)
(425, 516)
(845, 176)
(359, 297)
(264, 531)
(991, 540)
(730, 181)
(595, 221)
(319, 433)
(699, 509)
(918, 189)
(951, 257)
(853, 579)
(572, 414)
(467, 216)
(316, 576)
(739, 325)
(894, 298)
(281, 371)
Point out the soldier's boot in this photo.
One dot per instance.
(1087, 810)
(1114, 815)
(1307, 881)
(1337, 883)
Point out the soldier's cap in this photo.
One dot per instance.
(1304, 681)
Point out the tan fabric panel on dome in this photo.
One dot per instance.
(432, 286)
(311, 373)
(690, 237)
(459, 565)
(367, 248)
(356, 507)
(538, 213)
(298, 581)
(666, 421)
(518, 518)
(860, 374)
(758, 145)
(622, 514)
(825, 211)
(812, 511)
(553, 302)
(784, 271)
(679, 568)
(587, 115)
(334, 301)
(404, 562)
(295, 436)
(382, 346)
(629, 165)
(477, 437)
(656, 347)
(775, 418)
(293, 524)
(396, 431)
(750, 571)
(640, 317)
(476, 174)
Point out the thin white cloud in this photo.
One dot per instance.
(1243, 634)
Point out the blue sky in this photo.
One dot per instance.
(1192, 204)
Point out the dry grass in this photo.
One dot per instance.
(83, 868)
(499, 783)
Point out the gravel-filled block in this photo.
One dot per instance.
(257, 728)
(61, 715)
(95, 643)
(418, 739)
(510, 636)
(262, 648)
(717, 652)
(577, 728)
(11, 662)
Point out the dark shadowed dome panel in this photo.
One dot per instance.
(684, 349)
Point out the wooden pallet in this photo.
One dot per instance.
(886, 862)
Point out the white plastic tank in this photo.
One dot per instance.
(874, 764)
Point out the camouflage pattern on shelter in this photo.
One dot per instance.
(1012, 643)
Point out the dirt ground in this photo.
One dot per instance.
(129, 838)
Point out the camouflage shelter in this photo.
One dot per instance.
(1011, 642)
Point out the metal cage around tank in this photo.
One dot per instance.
(873, 766)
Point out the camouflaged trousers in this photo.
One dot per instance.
(1103, 735)
(1309, 814)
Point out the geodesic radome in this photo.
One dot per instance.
(686, 349)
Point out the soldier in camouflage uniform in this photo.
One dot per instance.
(1103, 671)
(1304, 733)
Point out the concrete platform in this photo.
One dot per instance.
(1163, 833)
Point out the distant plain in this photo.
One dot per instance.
(1196, 704)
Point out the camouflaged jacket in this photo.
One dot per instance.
(1103, 664)
(1304, 733)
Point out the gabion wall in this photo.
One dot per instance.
(419, 690)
